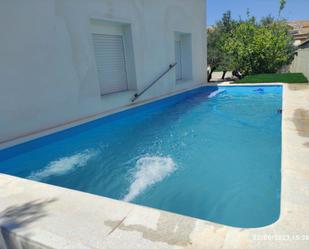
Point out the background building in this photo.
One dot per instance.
(300, 31)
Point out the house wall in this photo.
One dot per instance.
(301, 61)
(47, 67)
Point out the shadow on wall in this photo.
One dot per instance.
(16, 217)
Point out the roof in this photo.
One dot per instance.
(301, 26)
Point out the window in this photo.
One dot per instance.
(113, 56)
(178, 60)
(183, 56)
(110, 62)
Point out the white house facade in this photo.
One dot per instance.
(65, 60)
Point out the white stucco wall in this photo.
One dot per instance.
(47, 68)
(300, 63)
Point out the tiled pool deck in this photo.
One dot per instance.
(35, 215)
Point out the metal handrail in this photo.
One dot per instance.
(137, 95)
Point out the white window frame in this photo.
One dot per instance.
(185, 40)
(107, 27)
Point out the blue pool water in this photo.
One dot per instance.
(211, 153)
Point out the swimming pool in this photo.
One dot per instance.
(213, 153)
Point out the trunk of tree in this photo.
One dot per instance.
(210, 74)
(223, 75)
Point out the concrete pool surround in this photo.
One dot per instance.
(38, 215)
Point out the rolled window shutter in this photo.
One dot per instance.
(110, 62)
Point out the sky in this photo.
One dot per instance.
(294, 10)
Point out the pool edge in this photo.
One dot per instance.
(143, 225)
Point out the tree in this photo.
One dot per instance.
(267, 20)
(214, 54)
(260, 47)
(282, 6)
(250, 46)
(217, 57)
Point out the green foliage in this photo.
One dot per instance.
(250, 46)
(217, 57)
(214, 54)
(278, 77)
(259, 47)
(267, 20)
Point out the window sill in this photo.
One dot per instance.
(116, 93)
